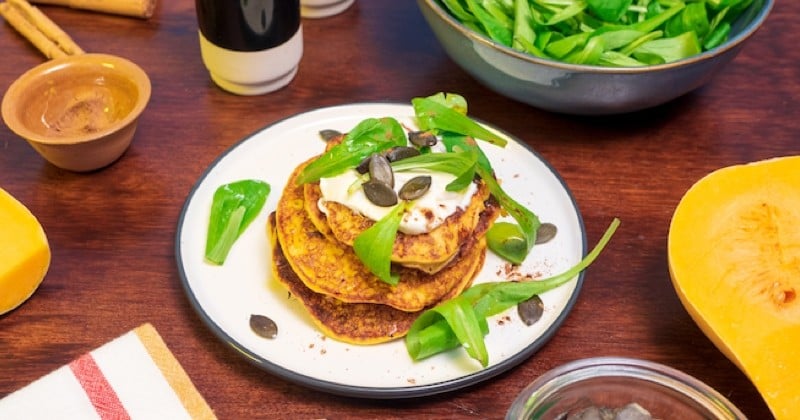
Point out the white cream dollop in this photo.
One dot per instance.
(426, 213)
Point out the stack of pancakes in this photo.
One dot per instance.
(314, 259)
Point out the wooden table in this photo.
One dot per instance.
(112, 232)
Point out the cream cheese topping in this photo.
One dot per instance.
(426, 213)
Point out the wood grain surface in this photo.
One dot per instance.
(112, 232)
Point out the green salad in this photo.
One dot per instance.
(610, 33)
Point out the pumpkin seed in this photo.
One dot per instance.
(329, 135)
(263, 326)
(415, 187)
(422, 138)
(531, 310)
(381, 170)
(545, 233)
(363, 166)
(402, 152)
(379, 193)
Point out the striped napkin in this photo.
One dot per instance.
(135, 376)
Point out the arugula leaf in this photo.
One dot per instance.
(528, 221)
(450, 324)
(453, 101)
(458, 11)
(431, 114)
(374, 245)
(692, 18)
(460, 164)
(496, 29)
(370, 136)
(572, 10)
(669, 49)
(233, 208)
(609, 10)
(718, 36)
(524, 35)
(508, 241)
(454, 163)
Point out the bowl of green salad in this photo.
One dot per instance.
(594, 57)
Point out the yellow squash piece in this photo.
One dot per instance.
(734, 259)
(24, 253)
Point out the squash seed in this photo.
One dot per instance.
(402, 152)
(531, 310)
(328, 135)
(422, 138)
(363, 166)
(263, 326)
(381, 170)
(545, 233)
(415, 187)
(379, 193)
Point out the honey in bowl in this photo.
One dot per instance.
(79, 112)
(88, 105)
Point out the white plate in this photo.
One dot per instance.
(226, 296)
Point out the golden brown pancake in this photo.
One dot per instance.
(430, 251)
(357, 323)
(333, 269)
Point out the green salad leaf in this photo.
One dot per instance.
(609, 10)
(371, 135)
(502, 239)
(374, 245)
(233, 208)
(460, 164)
(431, 114)
(462, 321)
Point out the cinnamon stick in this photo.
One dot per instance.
(135, 8)
(47, 27)
(17, 19)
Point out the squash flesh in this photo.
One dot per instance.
(24, 253)
(734, 259)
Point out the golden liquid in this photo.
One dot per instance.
(84, 106)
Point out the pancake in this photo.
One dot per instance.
(333, 269)
(429, 252)
(357, 323)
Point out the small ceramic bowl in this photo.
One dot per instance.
(583, 89)
(608, 384)
(79, 112)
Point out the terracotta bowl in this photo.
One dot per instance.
(78, 112)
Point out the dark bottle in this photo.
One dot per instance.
(248, 25)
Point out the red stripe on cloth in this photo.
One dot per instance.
(97, 388)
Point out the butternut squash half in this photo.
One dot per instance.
(734, 259)
(24, 253)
